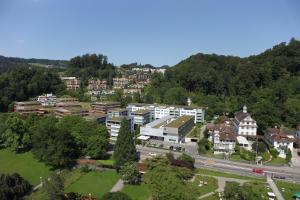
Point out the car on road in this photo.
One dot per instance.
(257, 170)
(278, 177)
(152, 154)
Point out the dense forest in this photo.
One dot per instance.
(21, 83)
(91, 66)
(269, 84)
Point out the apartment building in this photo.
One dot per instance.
(29, 107)
(105, 106)
(47, 100)
(113, 125)
(245, 125)
(72, 83)
(169, 128)
(97, 85)
(120, 83)
(74, 111)
(141, 117)
(117, 112)
(159, 111)
(224, 142)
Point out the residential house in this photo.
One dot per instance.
(280, 140)
(245, 125)
(72, 83)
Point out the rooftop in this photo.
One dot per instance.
(179, 121)
(106, 103)
(141, 112)
(118, 119)
(28, 103)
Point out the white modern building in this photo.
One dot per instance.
(169, 128)
(279, 140)
(47, 100)
(245, 125)
(113, 125)
(160, 111)
(141, 117)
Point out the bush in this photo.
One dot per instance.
(247, 155)
(265, 156)
(85, 169)
(274, 152)
(288, 155)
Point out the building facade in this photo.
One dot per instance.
(159, 111)
(245, 125)
(120, 83)
(169, 128)
(29, 107)
(72, 83)
(97, 85)
(279, 140)
(113, 125)
(47, 100)
(104, 107)
(141, 117)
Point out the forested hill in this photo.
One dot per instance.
(7, 63)
(227, 75)
(268, 83)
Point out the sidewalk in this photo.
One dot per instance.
(274, 188)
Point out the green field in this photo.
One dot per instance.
(260, 188)
(95, 182)
(137, 192)
(24, 164)
(212, 184)
(223, 174)
(289, 189)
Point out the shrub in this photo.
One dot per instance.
(288, 155)
(274, 152)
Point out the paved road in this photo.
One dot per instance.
(118, 186)
(274, 188)
(229, 166)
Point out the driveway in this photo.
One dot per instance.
(295, 158)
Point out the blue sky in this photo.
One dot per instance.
(157, 32)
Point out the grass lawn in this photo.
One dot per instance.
(97, 183)
(223, 174)
(212, 184)
(24, 164)
(260, 188)
(109, 161)
(289, 189)
(137, 192)
(278, 161)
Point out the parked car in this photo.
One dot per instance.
(258, 171)
(171, 147)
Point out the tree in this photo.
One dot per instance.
(164, 183)
(260, 146)
(97, 146)
(115, 196)
(187, 158)
(124, 149)
(15, 133)
(13, 186)
(130, 173)
(234, 191)
(54, 187)
(52, 145)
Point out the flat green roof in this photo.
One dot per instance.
(179, 121)
(141, 111)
